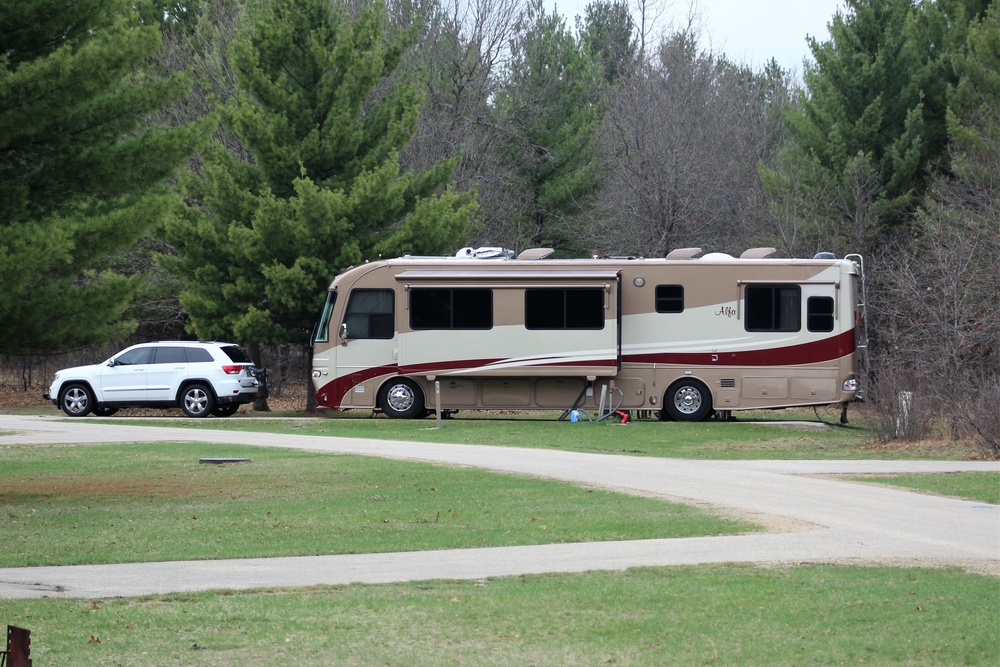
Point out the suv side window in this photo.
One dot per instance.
(198, 354)
(169, 355)
(136, 357)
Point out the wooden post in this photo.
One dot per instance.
(18, 647)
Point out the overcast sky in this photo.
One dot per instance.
(747, 31)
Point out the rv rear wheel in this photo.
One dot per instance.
(687, 401)
(401, 398)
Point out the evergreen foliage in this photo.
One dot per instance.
(322, 118)
(871, 129)
(552, 107)
(80, 173)
(608, 34)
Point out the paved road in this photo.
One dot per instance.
(822, 519)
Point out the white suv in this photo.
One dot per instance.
(199, 377)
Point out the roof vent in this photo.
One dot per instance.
(757, 253)
(824, 255)
(683, 253)
(536, 253)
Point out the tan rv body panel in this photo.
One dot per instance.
(698, 332)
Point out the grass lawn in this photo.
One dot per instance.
(115, 503)
(153, 502)
(982, 486)
(735, 615)
(754, 436)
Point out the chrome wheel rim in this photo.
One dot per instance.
(75, 400)
(687, 400)
(400, 398)
(196, 401)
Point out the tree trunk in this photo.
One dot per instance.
(311, 402)
(257, 356)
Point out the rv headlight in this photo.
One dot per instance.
(851, 385)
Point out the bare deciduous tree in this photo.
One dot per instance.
(688, 133)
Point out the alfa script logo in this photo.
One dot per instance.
(726, 311)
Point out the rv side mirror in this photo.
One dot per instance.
(343, 332)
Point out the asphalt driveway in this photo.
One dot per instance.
(813, 517)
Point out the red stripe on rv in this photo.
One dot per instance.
(336, 390)
(826, 350)
(441, 366)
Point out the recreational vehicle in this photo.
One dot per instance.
(684, 337)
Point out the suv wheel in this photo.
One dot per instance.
(77, 400)
(227, 410)
(197, 401)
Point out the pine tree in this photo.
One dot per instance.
(607, 34)
(551, 106)
(872, 128)
(323, 117)
(80, 174)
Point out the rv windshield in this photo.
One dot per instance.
(323, 330)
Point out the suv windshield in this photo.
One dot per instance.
(237, 354)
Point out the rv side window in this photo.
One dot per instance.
(432, 308)
(819, 313)
(323, 329)
(670, 298)
(370, 314)
(773, 308)
(564, 308)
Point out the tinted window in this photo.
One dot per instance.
(141, 355)
(564, 308)
(370, 314)
(169, 355)
(773, 308)
(819, 313)
(234, 352)
(670, 298)
(451, 308)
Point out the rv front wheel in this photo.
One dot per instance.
(688, 401)
(402, 399)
